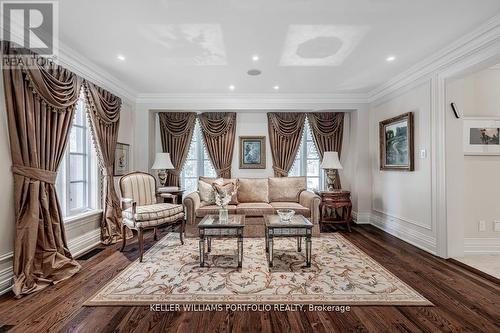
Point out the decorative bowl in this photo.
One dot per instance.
(285, 214)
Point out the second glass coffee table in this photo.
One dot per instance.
(298, 227)
(211, 226)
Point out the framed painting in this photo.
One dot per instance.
(481, 136)
(396, 143)
(122, 159)
(252, 152)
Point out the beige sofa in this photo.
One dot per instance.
(257, 197)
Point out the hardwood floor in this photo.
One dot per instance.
(464, 301)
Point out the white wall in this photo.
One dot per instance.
(402, 200)
(476, 180)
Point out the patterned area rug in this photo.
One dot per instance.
(340, 274)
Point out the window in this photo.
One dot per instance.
(77, 185)
(307, 161)
(197, 163)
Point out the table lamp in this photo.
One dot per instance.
(162, 163)
(331, 164)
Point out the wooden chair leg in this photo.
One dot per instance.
(124, 238)
(141, 243)
(155, 237)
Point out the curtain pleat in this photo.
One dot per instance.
(219, 132)
(327, 130)
(176, 129)
(40, 102)
(285, 134)
(103, 111)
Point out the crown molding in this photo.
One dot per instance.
(251, 101)
(483, 36)
(87, 69)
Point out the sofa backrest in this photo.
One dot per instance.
(286, 189)
(253, 190)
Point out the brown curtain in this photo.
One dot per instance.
(219, 131)
(103, 110)
(176, 133)
(285, 134)
(40, 100)
(327, 130)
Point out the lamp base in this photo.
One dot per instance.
(162, 176)
(331, 179)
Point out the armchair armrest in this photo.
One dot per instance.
(192, 202)
(312, 201)
(127, 201)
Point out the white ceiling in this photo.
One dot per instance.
(305, 46)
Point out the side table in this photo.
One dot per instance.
(174, 194)
(340, 206)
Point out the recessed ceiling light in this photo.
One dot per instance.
(120, 57)
(390, 58)
(231, 87)
(276, 87)
(255, 57)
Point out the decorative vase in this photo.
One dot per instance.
(223, 214)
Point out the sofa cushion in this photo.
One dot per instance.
(253, 190)
(225, 181)
(254, 208)
(153, 223)
(298, 208)
(153, 212)
(286, 189)
(213, 210)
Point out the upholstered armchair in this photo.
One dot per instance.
(141, 211)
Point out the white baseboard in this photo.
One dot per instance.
(84, 242)
(76, 246)
(361, 218)
(397, 228)
(482, 246)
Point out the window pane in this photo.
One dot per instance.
(313, 168)
(76, 140)
(208, 169)
(312, 153)
(190, 185)
(80, 114)
(77, 196)
(190, 168)
(312, 183)
(77, 167)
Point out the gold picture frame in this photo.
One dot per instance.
(252, 152)
(397, 143)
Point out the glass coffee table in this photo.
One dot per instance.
(210, 226)
(298, 227)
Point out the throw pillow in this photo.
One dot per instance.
(207, 194)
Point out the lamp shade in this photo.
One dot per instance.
(331, 161)
(162, 162)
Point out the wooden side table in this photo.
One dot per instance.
(340, 206)
(174, 195)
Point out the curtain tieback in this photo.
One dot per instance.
(35, 173)
(223, 170)
(281, 172)
(107, 171)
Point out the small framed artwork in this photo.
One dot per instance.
(122, 159)
(396, 143)
(481, 136)
(252, 152)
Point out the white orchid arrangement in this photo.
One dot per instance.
(224, 193)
